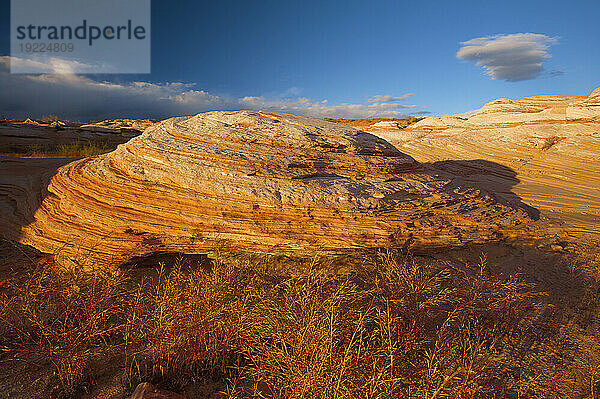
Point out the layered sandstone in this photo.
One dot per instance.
(385, 125)
(253, 181)
(551, 142)
(126, 127)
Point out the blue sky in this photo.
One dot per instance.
(320, 57)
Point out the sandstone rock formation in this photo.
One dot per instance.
(251, 181)
(552, 142)
(127, 127)
(386, 124)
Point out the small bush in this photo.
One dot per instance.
(50, 118)
(66, 320)
(389, 326)
(84, 149)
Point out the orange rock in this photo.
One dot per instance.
(256, 181)
(551, 142)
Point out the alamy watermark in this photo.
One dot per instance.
(80, 36)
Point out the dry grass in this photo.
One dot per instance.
(73, 149)
(388, 326)
(65, 320)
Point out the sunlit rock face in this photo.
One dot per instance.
(130, 127)
(551, 142)
(256, 181)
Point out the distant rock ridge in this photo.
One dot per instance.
(252, 181)
(132, 127)
(386, 124)
(23, 136)
(529, 109)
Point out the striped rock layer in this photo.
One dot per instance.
(257, 181)
(551, 142)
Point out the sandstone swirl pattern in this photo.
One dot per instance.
(257, 181)
(551, 142)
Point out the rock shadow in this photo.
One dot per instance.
(23, 187)
(495, 179)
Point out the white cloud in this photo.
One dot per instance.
(382, 98)
(511, 57)
(52, 65)
(79, 97)
(388, 106)
(304, 106)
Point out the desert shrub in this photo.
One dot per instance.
(73, 149)
(66, 320)
(405, 330)
(388, 326)
(84, 149)
(50, 118)
(197, 319)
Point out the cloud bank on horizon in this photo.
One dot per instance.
(384, 98)
(82, 98)
(511, 57)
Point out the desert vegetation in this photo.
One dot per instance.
(51, 118)
(72, 149)
(379, 324)
(51, 136)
